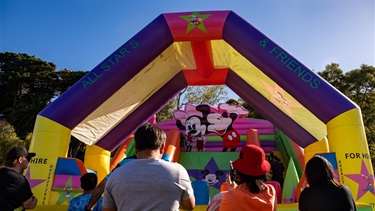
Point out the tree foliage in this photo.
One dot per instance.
(166, 113)
(8, 139)
(252, 112)
(66, 78)
(21, 75)
(204, 94)
(27, 85)
(335, 76)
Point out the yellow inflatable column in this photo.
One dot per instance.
(347, 138)
(98, 160)
(316, 148)
(50, 140)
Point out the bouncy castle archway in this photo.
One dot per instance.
(201, 48)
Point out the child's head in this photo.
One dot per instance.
(89, 181)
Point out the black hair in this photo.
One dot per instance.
(149, 137)
(89, 181)
(255, 184)
(319, 170)
(13, 154)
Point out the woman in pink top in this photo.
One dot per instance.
(249, 191)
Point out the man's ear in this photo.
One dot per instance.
(162, 148)
(20, 159)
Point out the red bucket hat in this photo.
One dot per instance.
(252, 161)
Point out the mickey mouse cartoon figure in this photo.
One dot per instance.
(194, 122)
(222, 125)
(211, 178)
(195, 21)
(68, 191)
(204, 121)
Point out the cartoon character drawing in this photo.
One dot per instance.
(196, 142)
(201, 140)
(195, 21)
(211, 178)
(205, 121)
(369, 186)
(195, 124)
(189, 144)
(68, 190)
(222, 125)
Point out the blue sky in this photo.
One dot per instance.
(79, 34)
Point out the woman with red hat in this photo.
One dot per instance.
(249, 191)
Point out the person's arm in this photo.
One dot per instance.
(187, 204)
(30, 203)
(98, 191)
(187, 201)
(108, 203)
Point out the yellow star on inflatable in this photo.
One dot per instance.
(279, 97)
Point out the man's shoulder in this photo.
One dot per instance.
(170, 163)
(8, 175)
(126, 160)
(6, 171)
(173, 165)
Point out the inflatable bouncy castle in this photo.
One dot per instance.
(306, 115)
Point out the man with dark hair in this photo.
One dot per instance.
(148, 182)
(15, 191)
(88, 183)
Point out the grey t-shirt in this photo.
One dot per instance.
(147, 184)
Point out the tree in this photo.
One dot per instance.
(22, 75)
(204, 94)
(66, 78)
(23, 114)
(252, 112)
(166, 113)
(335, 76)
(25, 81)
(27, 85)
(8, 139)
